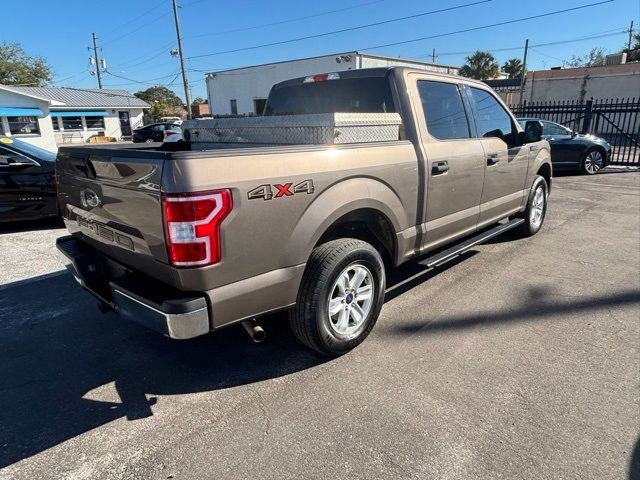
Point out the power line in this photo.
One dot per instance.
(491, 25)
(129, 32)
(109, 32)
(546, 55)
(145, 58)
(149, 81)
(343, 30)
(281, 22)
(606, 33)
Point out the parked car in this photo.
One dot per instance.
(573, 150)
(173, 135)
(153, 132)
(27, 181)
(187, 242)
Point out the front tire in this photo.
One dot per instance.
(592, 162)
(340, 297)
(536, 209)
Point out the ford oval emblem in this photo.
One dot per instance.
(89, 198)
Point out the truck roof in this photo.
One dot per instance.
(377, 72)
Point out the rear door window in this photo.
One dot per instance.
(443, 110)
(492, 120)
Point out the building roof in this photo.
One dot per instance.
(80, 97)
(355, 52)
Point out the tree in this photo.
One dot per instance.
(481, 66)
(633, 53)
(18, 68)
(513, 67)
(594, 58)
(164, 102)
(198, 101)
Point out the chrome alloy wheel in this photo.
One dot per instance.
(350, 299)
(594, 161)
(536, 213)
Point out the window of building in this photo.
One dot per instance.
(23, 125)
(259, 104)
(71, 123)
(443, 110)
(94, 122)
(234, 106)
(492, 119)
(56, 125)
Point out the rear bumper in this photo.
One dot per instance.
(135, 296)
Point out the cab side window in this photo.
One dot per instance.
(492, 120)
(443, 110)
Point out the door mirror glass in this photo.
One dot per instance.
(532, 131)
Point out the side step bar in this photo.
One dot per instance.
(460, 248)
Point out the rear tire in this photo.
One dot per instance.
(340, 297)
(593, 161)
(536, 209)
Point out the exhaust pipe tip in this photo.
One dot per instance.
(254, 330)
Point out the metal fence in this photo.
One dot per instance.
(616, 120)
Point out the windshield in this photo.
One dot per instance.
(31, 150)
(358, 95)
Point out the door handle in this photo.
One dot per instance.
(438, 168)
(492, 159)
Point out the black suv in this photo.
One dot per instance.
(153, 132)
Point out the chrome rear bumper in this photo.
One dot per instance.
(176, 314)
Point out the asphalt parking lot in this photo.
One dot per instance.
(519, 360)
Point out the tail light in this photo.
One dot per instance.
(192, 226)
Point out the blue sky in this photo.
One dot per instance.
(136, 35)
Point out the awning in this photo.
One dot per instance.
(20, 112)
(80, 113)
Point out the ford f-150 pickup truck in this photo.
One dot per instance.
(194, 238)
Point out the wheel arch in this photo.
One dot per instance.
(546, 172)
(363, 208)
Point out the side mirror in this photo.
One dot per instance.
(532, 131)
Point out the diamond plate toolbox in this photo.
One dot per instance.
(323, 129)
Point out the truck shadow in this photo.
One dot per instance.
(55, 348)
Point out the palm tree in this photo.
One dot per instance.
(513, 68)
(481, 66)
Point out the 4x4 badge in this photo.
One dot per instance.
(266, 192)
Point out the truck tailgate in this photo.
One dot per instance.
(112, 201)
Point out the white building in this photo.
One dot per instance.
(243, 91)
(47, 116)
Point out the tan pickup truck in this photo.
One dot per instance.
(211, 234)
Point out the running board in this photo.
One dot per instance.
(453, 252)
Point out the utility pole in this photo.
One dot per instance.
(95, 55)
(433, 56)
(630, 35)
(187, 95)
(524, 71)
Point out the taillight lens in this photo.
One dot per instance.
(192, 226)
